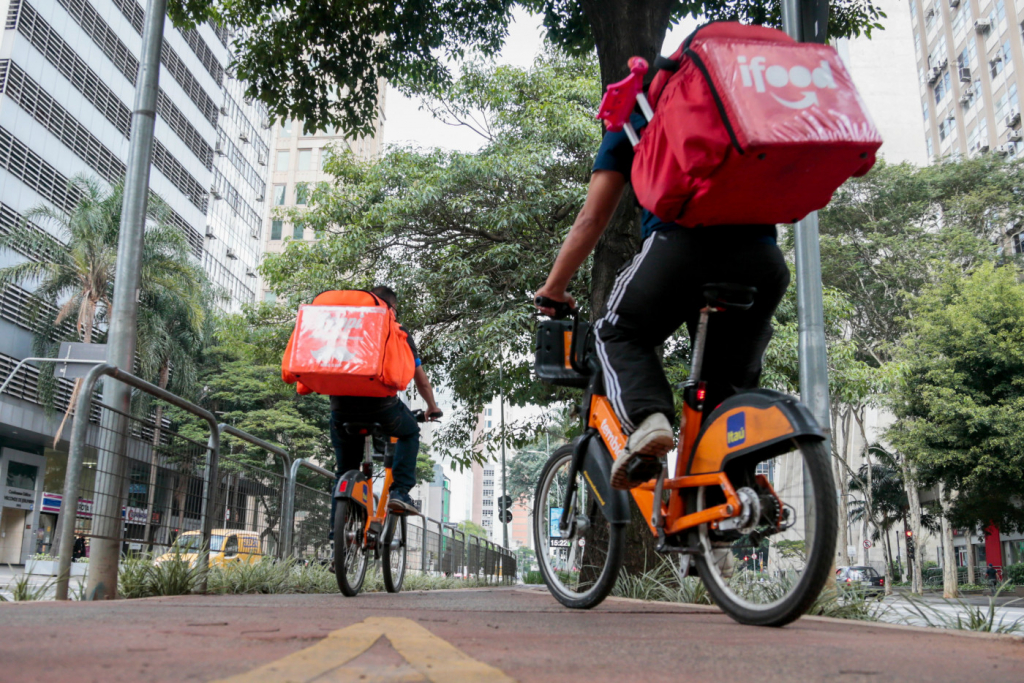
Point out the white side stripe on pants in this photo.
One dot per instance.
(618, 290)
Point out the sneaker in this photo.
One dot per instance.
(399, 501)
(651, 441)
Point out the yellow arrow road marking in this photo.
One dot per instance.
(435, 659)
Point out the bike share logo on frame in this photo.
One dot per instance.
(736, 429)
(755, 74)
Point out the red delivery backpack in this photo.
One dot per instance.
(348, 343)
(750, 127)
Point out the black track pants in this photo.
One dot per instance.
(660, 289)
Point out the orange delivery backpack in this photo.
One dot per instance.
(348, 343)
(749, 126)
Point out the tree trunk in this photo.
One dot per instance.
(165, 374)
(914, 499)
(622, 30)
(887, 557)
(949, 582)
(869, 499)
(840, 451)
(969, 537)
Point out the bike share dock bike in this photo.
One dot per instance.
(362, 534)
(751, 501)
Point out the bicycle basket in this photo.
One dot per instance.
(554, 344)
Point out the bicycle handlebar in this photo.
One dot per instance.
(562, 308)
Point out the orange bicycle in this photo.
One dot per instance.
(362, 534)
(751, 501)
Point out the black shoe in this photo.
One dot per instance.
(399, 501)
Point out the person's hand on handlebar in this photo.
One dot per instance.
(549, 292)
(434, 414)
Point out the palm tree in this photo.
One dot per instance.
(888, 503)
(75, 271)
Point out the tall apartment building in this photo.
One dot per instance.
(487, 484)
(67, 85)
(297, 165)
(970, 68)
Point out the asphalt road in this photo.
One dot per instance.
(498, 634)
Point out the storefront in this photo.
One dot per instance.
(21, 490)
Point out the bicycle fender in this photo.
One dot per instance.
(354, 486)
(760, 420)
(597, 471)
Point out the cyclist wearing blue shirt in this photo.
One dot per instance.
(659, 290)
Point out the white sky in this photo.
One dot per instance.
(406, 123)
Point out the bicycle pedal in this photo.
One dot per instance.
(642, 469)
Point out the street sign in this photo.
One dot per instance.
(867, 543)
(505, 516)
(505, 502)
(554, 518)
(78, 351)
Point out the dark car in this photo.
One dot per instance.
(862, 579)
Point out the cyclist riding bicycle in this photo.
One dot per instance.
(661, 289)
(395, 419)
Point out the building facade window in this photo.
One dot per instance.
(1007, 103)
(488, 473)
(304, 162)
(488, 492)
(962, 19)
(998, 16)
(279, 192)
(1018, 243)
(488, 482)
(286, 129)
(282, 160)
(488, 513)
(298, 230)
(301, 193)
(943, 86)
(275, 229)
(269, 297)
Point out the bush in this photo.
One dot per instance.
(533, 577)
(1014, 573)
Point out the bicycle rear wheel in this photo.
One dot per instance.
(581, 566)
(393, 557)
(349, 558)
(772, 569)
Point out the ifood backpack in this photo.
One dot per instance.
(748, 126)
(348, 343)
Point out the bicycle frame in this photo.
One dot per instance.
(357, 486)
(759, 420)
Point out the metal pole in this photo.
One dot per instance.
(105, 549)
(810, 305)
(73, 478)
(501, 394)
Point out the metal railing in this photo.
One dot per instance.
(172, 490)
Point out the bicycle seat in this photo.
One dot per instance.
(729, 295)
(362, 428)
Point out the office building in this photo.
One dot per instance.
(297, 166)
(67, 87)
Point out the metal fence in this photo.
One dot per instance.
(207, 487)
(433, 548)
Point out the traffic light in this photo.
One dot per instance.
(504, 513)
(910, 544)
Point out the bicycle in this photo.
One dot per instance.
(360, 532)
(752, 481)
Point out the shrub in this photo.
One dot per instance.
(1014, 573)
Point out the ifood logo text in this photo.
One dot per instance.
(756, 75)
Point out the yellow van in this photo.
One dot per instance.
(226, 545)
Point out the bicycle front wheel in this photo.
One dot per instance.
(393, 558)
(579, 566)
(349, 558)
(770, 571)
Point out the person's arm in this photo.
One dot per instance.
(427, 392)
(603, 196)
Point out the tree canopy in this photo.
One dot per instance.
(961, 396)
(325, 61)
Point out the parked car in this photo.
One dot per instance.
(863, 579)
(226, 545)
